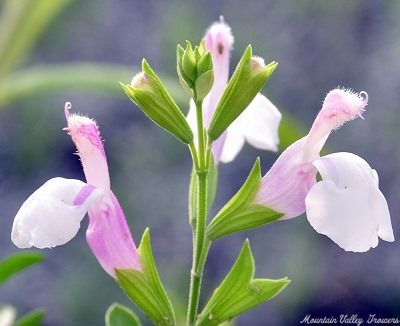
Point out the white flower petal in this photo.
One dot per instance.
(232, 145)
(258, 124)
(191, 118)
(347, 205)
(51, 216)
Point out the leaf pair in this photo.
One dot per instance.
(239, 291)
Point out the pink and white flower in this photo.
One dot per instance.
(51, 216)
(258, 123)
(347, 204)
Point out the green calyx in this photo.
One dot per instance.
(150, 95)
(241, 213)
(195, 70)
(145, 288)
(249, 77)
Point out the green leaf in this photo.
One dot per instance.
(247, 80)
(119, 315)
(17, 262)
(239, 291)
(149, 94)
(33, 318)
(145, 287)
(241, 213)
(212, 183)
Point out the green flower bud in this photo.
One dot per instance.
(189, 62)
(204, 84)
(194, 68)
(148, 92)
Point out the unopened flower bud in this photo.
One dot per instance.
(147, 91)
(195, 70)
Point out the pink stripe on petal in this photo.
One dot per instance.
(83, 195)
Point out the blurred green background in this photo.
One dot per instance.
(78, 51)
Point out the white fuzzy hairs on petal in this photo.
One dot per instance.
(51, 216)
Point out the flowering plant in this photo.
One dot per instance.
(339, 192)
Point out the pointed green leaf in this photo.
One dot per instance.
(119, 315)
(247, 80)
(33, 318)
(17, 262)
(149, 94)
(239, 292)
(241, 213)
(145, 287)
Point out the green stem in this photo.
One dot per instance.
(200, 243)
(199, 233)
(201, 137)
(195, 158)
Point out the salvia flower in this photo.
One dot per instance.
(51, 216)
(347, 204)
(257, 124)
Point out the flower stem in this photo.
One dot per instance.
(200, 243)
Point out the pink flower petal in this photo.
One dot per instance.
(109, 237)
(85, 134)
(286, 184)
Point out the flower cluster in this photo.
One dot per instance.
(338, 192)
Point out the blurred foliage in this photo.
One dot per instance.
(33, 318)
(14, 264)
(18, 262)
(21, 25)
